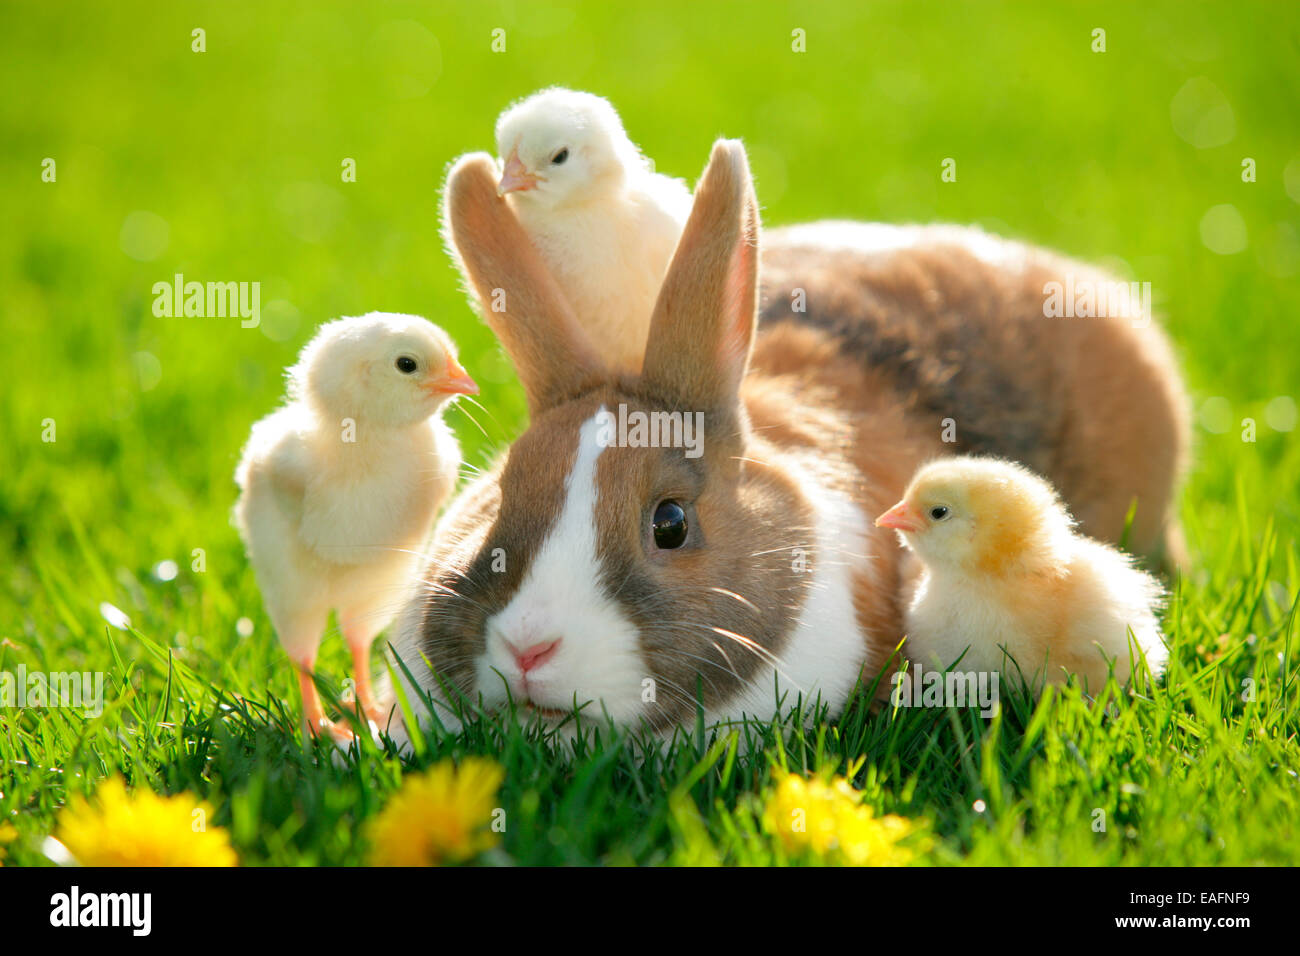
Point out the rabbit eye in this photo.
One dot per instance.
(559, 158)
(939, 512)
(669, 525)
(406, 365)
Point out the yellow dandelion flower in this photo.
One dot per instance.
(118, 828)
(828, 820)
(440, 816)
(867, 840)
(8, 833)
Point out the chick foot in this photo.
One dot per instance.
(313, 714)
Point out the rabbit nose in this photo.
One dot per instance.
(536, 654)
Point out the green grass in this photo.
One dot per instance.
(239, 150)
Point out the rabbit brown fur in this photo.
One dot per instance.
(1095, 404)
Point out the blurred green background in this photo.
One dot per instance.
(225, 166)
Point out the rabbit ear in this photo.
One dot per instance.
(519, 298)
(703, 322)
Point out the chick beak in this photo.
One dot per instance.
(515, 177)
(900, 518)
(454, 381)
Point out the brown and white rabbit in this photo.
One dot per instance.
(565, 576)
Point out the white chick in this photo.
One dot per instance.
(605, 223)
(1003, 567)
(339, 487)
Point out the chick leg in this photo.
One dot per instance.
(359, 631)
(299, 625)
(313, 714)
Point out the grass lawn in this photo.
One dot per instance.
(226, 165)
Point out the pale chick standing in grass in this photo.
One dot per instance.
(1003, 567)
(339, 488)
(605, 223)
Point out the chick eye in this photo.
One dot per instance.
(669, 525)
(406, 365)
(939, 513)
(559, 158)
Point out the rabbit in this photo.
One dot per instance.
(590, 571)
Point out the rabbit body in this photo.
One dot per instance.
(637, 583)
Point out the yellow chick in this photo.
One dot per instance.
(340, 486)
(1003, 568)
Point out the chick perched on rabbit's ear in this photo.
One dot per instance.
(562, 147)
(1004, 569)
(605, 223)
(340, 487)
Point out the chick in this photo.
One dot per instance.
(340, 487)
(1003, 568)
(604, 222)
